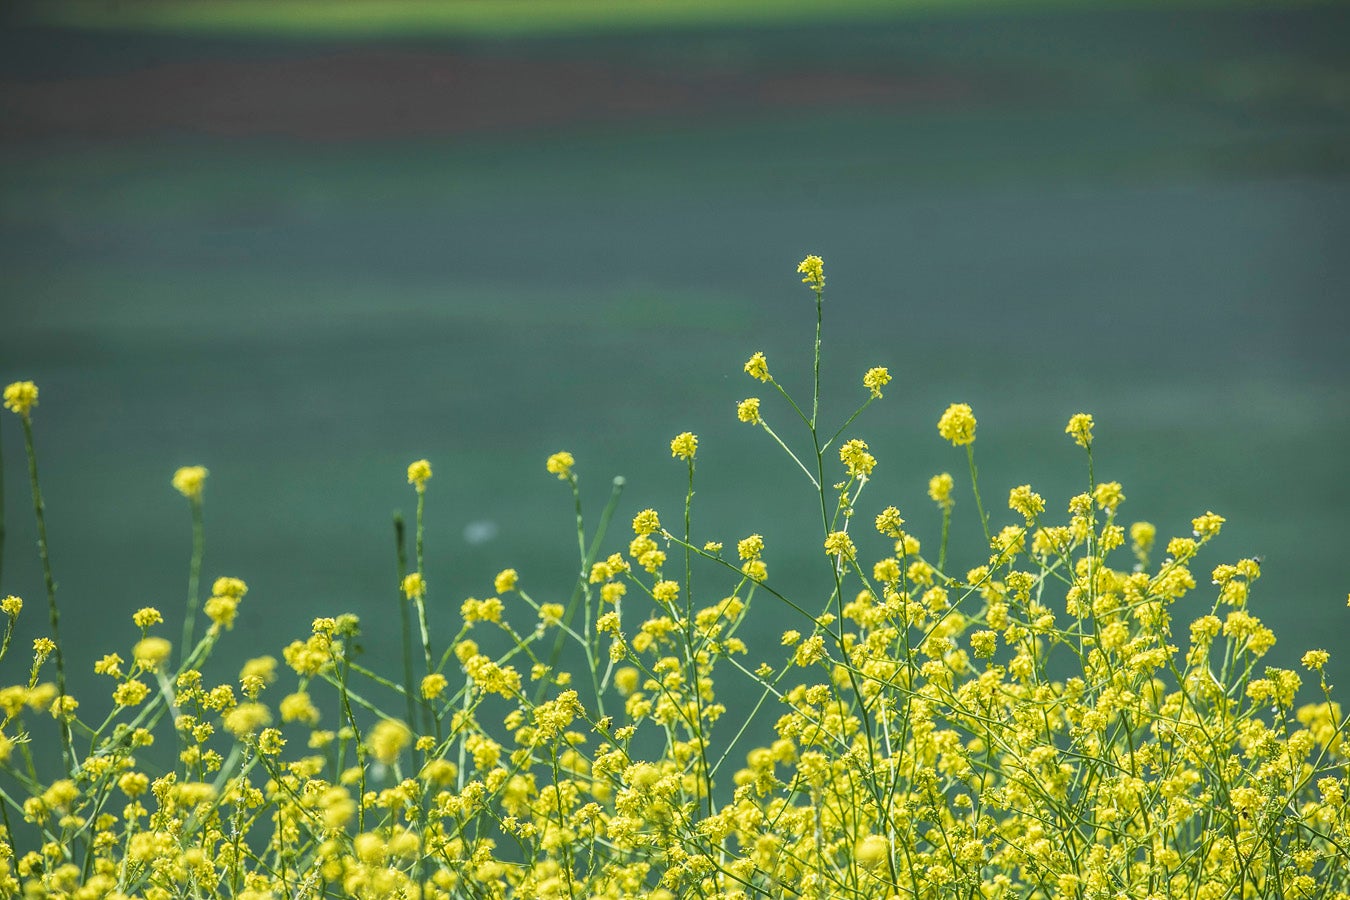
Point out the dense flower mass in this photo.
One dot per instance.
(1063, 715)
(21, 397)
(190, 481)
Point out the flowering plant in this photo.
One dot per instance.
(1030, 724)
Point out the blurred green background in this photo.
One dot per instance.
(305, 252)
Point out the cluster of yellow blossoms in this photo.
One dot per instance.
(1033, 726)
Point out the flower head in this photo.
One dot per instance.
(958, 425)
(1080, 427)
(414, 586)
(685, 445)
(418, 473)
(758, 367)
(748, 411)
(560, 464)
(812, 270)
(21, 397)
(875, 379)
(189, 481)
(838, 543)
(940, 490)
(859, 463)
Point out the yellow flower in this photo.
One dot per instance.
(838, 543)
(21, 397)
(387, 739)
(684, 446)
(11, 606)
(758, 367)
(853, 454)
(958, 425)
(872, 851)
(812, 270)
(221, 610)
(646, 522)
(230, 587)
(1316, 659)
(1024, 500)
(940, 490)
(748, 411)
(146, 616)
(750, 547)
(130, 693)
(1207, 526)
(414, 586)
(505, 581)
(560, 464)
(665, 591)
(150, 653)
(189, 481)
(418, 474)
(875, 379)
(888, 522)
(298, 707)
(247, 718)
(1080, 427)
(434, 685)
(1109, 495)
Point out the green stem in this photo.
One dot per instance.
(815, 393)
(401, 551)
(67, 756)
(194, 573)
(975, 489)
(2, 509)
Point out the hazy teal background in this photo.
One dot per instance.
(1141, 214)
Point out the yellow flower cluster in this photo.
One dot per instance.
(189, 481)
(21, 397)
(957, 425)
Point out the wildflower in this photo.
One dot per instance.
(888, 522)
(387, 739)
(958, 425)
(434, 685)
(646, 522)
(11, 606)
(857, 461)
(130, 693)
(1316, 659)
(984, 643)
(1024, 500)
(230, 587)
(665, 591)
(146, 616)
(246, 719)
(685, 445)
(560, 464)
(1207, 526)
(812, 270)
(875, 379)
(505, 582)
(221, 611)
(940, 490)
(1080, 428)
(1108, 495)
(791, 637)
(189, 481)
(809, 651)
(750, 547)
(414, 586)
(21, 397)
(748, 411)
(838, 543)
(150, 653)
(758, 367)
(871, 851)
(110, 665)
(418, 474)
(298, 707)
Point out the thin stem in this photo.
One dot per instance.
(194, 572)
(815, 392)
(67, 756)
(975, 488)
(2, 509)
(401, 554)
(421, 603)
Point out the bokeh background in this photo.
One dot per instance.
(304, 244)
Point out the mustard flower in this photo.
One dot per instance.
(150, 653)
(560, 464)
(748, 411)
(838, 543)
(434, 685)
(11, 606)
(414, 586)
(1024, 500)
(21, 397)
(875, 379)
(298, 707)
(387, 739)
(750, 547)
(758, 367)
(940, 490)
(958, 425)
(646, 522)
(684, 446)
(1080, 428)
(221, 611)
(1207, 526)
(888, 522)
(146, 616)
(505, 582)
(246, 719)
(1316, 659)
(665, 591)
(812, 270)
(189, 481)
(130, 693)
(872, 851)
(418, 474)
(857, 461)
(230, 587)
(1109, 495)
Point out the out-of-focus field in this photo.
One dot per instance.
(304, 264)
